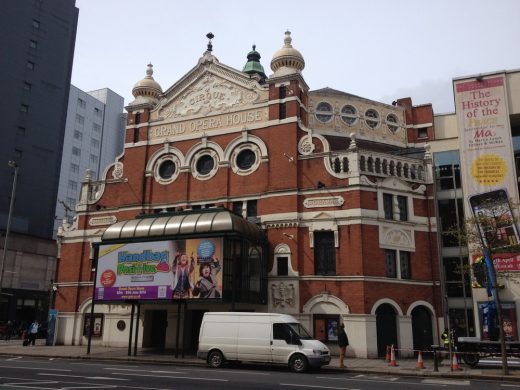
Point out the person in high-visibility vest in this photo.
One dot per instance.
(445, 336)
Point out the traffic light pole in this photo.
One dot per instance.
(492, 285)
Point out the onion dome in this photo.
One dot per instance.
(147, 89)
(287, 58)
(253, 65)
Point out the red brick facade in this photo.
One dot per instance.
(316, 178)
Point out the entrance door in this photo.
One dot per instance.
(193, 330)
(422, 328)
(386, 325)
(158, 328)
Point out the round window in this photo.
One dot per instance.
(348, 115)
(372, 118)
(205, 164)
(324, 112)
(392, 123)
(167, 169)
(246, 159)
(121, 325)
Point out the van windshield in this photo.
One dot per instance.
(300, 331)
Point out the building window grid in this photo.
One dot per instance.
(33, 44)
(324, 253)
(78, 135)
(395, 269)
(395, 206)
(29, 65)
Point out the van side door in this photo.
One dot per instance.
(254, 342)
(283, 344)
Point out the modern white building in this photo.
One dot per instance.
(94, 136)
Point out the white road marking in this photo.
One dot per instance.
(317, 387)
(89, 387)
(506, 385)
(36, 368)
(102, 364)
(34, 384)
(15, 385)
(174, 377)
(366, 379)
(446, 382)
(87, 377)
(133, 369)
(244, 372)
(15, 358)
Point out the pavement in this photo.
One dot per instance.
(489, 369)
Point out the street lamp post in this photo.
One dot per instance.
(12, 164)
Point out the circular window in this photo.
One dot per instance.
(348, 115)
(121, 325)
(246, 159)
(372, 118)
(205, 164)
(324, 112)
(166, 169)
(392, 123)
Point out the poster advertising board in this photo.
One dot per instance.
(175, 269)
(489, 321)
(487, 159)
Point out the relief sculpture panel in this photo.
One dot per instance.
(211, 95)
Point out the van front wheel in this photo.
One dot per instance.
(215, 359)
(298, 363)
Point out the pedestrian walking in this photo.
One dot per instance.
(343, 343)
(33, 332)
(8, 330)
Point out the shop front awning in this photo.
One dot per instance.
(206, 222)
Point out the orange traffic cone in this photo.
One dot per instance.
(420, 363)
(392, 357)
(387, 357)
(455, 363)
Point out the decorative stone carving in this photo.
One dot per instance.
(329, 201)
(305, 146)
(283, 295)
(100, 221)
(211, 95)
(117, 173)
(399, 238)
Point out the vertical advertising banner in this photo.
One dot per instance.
(179, 269)
(487, 158)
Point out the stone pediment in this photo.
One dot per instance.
(395, 184)
(209, 89)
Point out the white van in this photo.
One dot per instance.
(259, 337)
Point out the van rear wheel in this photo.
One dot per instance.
(215, 359)
(298, 363)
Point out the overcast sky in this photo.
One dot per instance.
(377, 49)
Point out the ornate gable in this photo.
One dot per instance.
(210, 97)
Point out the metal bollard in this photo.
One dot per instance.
(435, 359)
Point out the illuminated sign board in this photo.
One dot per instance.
(179, 269)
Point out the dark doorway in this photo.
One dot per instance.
(422, 328)
(386, 328)
(155, 328)
(192, 331)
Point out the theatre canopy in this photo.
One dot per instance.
(197, 254)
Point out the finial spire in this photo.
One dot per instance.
(210, 36)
